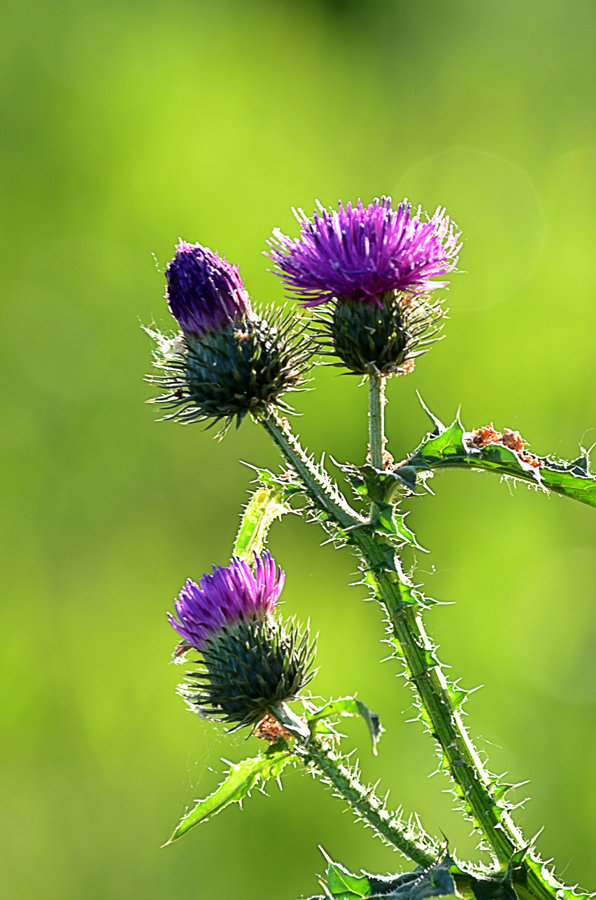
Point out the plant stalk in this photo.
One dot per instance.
(367, 806)
(317, 482)
(376, 419)
(362, 800)
(425, 673)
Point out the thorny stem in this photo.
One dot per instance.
(346, 784)
(367, 806)
(426, 675)
(319, 486)
(445, 720)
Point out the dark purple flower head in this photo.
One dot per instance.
(359, 253)
(231, 594)
(205, 292)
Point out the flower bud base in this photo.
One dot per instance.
(247, 667)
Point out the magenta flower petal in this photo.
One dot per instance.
(228, 595)
(359, 253)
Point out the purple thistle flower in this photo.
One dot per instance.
(250, 662)
(359, 253)
(231, 594)
(205, 292)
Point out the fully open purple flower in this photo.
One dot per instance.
(360, 253)
(231, 594)
(205, 292)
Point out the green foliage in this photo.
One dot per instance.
(239, 781)
(375, 486)
(348, 706)
(342, 883)
(264, 507)
(453, 446)
(421, 884)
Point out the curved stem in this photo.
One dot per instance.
(424, 671)
(445, 721)
(443, 717)
(362, 800)
(367, 806)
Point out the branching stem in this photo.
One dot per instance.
(424, 671)
(319, 486)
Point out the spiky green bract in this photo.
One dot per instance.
(379, 338)
(247, 666)
(244, 368)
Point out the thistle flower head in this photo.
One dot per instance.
(361, 253)
(205, 292)
(228, 362)
(250, 661)
(232, 593)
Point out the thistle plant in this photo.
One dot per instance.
(369, 275)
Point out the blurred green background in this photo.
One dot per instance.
(127, 125)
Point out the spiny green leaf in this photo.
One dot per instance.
(437, 448)
(459, 698)
(430, 659)
(349, 706)
(404, 532)
(287, 485)
(392, 523)
(263, 508)
(506, 455)
(241, 778)
(385, 561)
(406, 476)
(343, 884)
(373, 724)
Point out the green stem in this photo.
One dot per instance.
(424, 671)
(319, 486)
(444, 719)
(362, 800)
(376, 419)
(367, 806)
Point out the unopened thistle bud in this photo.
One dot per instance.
(249, 660)
(228, 361)
(370, 269)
